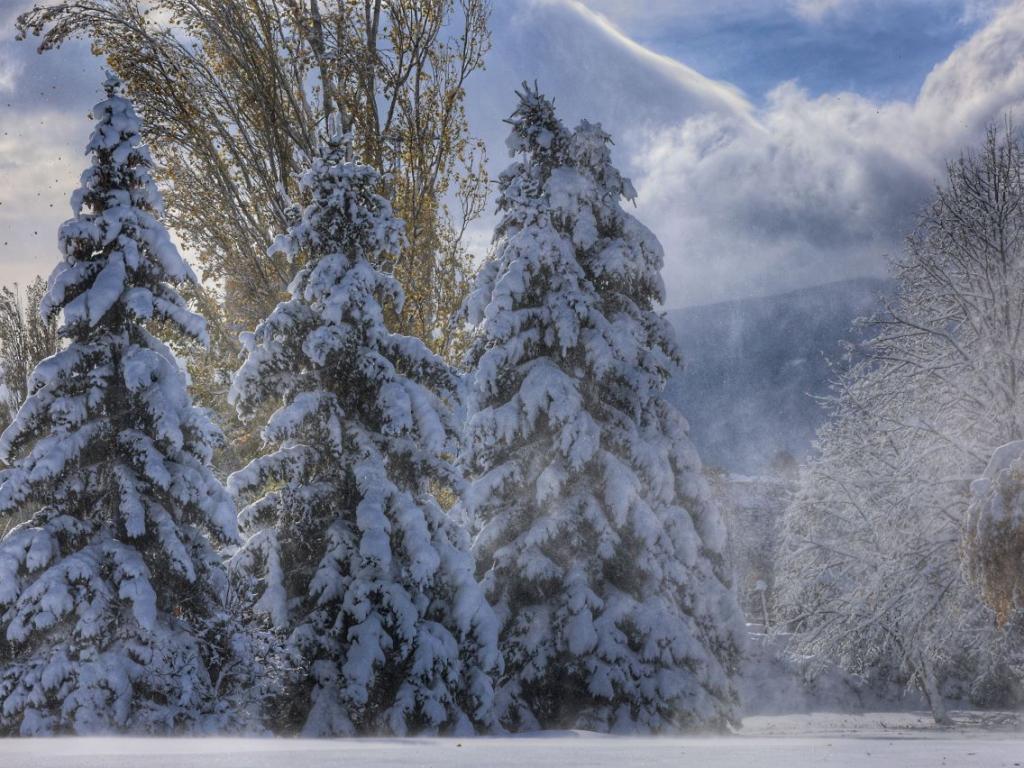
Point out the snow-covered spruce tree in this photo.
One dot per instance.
(111, 594)
(349, 555)
(596, 541)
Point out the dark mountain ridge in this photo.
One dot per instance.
(753, 368)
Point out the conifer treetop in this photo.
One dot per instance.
(118, 257)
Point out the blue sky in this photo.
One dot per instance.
(883, 53)
(774, 143)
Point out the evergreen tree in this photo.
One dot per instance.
(596, 541)
(111, 594)
(349, 556)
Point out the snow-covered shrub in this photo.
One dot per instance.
(349, 556)
(595, 537)
(994, 540)
(112, 609)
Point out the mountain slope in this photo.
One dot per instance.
(753, 367)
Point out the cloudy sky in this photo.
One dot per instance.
(774, 144)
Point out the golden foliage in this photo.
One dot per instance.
(993, 546)
(234, 93)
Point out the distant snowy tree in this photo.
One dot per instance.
(752, 509)
(596, 541)
(870, 577)
(349, 555)
(872, 568)
(26, 338)
(111, 595)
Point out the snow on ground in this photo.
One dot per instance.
(880, 740)
(882, 725)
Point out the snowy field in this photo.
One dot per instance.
(882, 740)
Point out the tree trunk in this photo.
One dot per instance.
(930, 688)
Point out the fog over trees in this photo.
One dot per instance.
(872, 574)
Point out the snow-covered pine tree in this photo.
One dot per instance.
(111, 594)
(596, 541)
(349, 555)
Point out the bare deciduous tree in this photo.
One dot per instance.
(25, 339)
(236, 93)
(872, 571)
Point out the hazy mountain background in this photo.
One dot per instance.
(753, 367)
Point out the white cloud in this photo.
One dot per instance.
(749, 200)
(816, 10)
(628, 13)
(10, 69)
(982, 10)
(37, 175)
(43, 130)
(829, 186)
(590, 68)
(685, 78)
(654, 14)
(746, 200)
